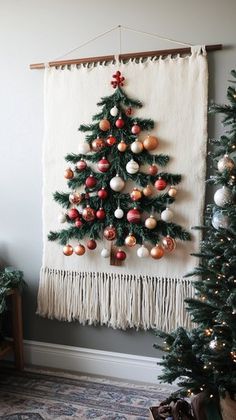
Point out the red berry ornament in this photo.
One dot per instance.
(135, 129)
(91, 244)
(160, 184)
(90, 181)
(111, 140)
(78, 222)
(134, 216)
(153, 169)
(101, 214)
(120, 123)
(120, 255)
(103, 165)
(81, 165)
(73, 214)
(103, 193)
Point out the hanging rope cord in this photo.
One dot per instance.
(119, 28)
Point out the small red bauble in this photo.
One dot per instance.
(153, 169)
(88, 214)
(102, 193)
(120, 255)
(90, 181)
(101, 214)
(111, 140)
(160, 184)
(69, 174)
(134, 216)
(110, 233)
(67, 250)
(135, 129)
(98, 144)
(91, 244)
(120, 123)
(78, 222)
(73, 214)
(81, 165)
(103, 165)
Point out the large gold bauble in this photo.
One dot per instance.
(130, 240)
(69, 174)
(67, 250)
(157, 252)
(150, 222)
(150, 143)
(79, 249)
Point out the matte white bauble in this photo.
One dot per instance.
(83, 148)
(223, 197)
(62, 218)
(142, 252)
(119, 213)
(132, 167)
(220, 220)
(167, 215)
(117, 183)
(136, 147)
(225, 163)
(114, 111)
(105, 253)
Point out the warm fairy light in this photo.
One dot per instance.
(211, 396)
(216, 292)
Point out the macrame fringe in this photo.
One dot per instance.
(116, 300)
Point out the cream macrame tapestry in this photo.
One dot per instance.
(142, 293)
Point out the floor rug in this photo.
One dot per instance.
(35, 396)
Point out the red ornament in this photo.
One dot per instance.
(69, 174)
(129, 111)
(88, 214)
(90, 181)
(134, 216)
(135, 129)
(103, 165)
(78, 222)
(101, 214)
(120, 255)
(111, 140)
(153, 169)
(81, 165)
(160, 184)
(91, 244)
(73, 214)
(120, 123)
(102, 193)
(110, 233)
(119, 80)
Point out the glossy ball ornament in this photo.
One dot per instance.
(153, 169)
(120, 123)
(101, 214)
(68, 174)
(76, 198)
(172, 191)
(88, 214)
(103, 193)
(78, 222)
(157, 252)
(225, 163)
(83, 148)
(110, 233)
(220, 220)
(103, 165)
(120, 255)
(122, 146)
(168, 243)
(132, 167)
(136, 147)
(167, 215)
(143, 252)
(114, 111)
(147, 191)
(223, 197)
(62, 218)
(117, 183)
(134, 216)
(67, 250)
(81, 165)
(150, 143)
(160, 184)
(98, 144)
(136, 194)
(90, 182)
(135, 129)
(79, 249)
(130, 240)
(73, 214)
(150, 222)
(104, 125)
(111, 140)
(105, 253)
(91, 244)
(119, 213)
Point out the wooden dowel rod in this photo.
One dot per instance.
(173, 51)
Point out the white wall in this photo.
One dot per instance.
(40, 30)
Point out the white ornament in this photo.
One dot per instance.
(142, 252)
(225, 163)
(223, 197)
(114, 111)
(105, 253)
(62, 218)
(119, 213)
(117, 183)
(220, 220)
(83, 148)
(136, 147)
(132, 167)
(167, 215)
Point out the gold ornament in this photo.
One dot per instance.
(68, 174)
(67, 250)
(168, 243)
(79, 249)
(104, 125)
(98, 144)
(157, 252)
(122, 146)
(136, 194)
(147, 191)
(150, 222)
(150, 143)
(172, 191)
(130, 240)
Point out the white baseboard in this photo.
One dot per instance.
(95, 362)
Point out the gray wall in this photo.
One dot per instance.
(40, 30)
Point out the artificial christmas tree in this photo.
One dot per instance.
(205, 357)
(113, 155)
